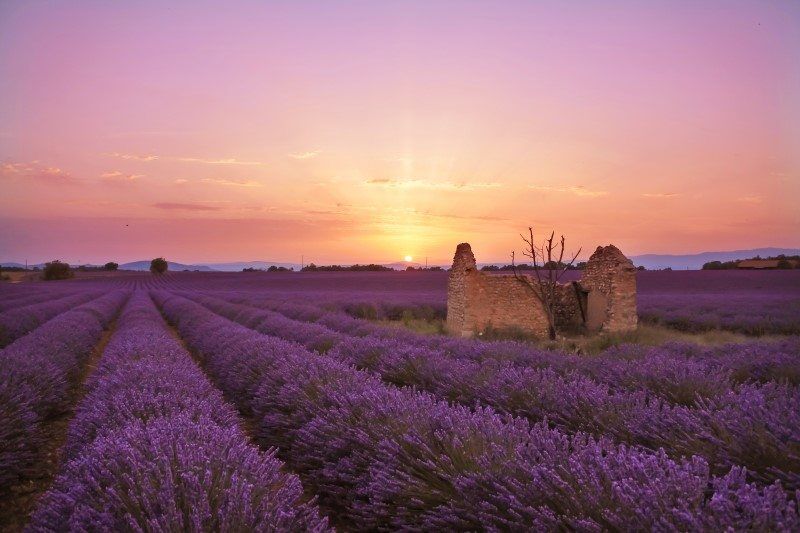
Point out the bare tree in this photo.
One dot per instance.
(545, 285)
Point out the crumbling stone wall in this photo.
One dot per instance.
(477, 301)
(609, 278)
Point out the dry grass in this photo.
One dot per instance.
(16, 277)
(419, 325)
(645, 335)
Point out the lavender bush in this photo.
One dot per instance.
(390, 429)
(175, 474)
(16, 322)
(624, 366)
(12, 301)
(381, 457)
(154, 446)
(38, 371)
(637, 413)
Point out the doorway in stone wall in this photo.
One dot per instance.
(597, 304)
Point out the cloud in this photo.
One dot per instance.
(116, 175)
(232, 183)
(151, 132)
(304, 155)
(427, 184)
(577, 190)
(36, 171)
(486, 218)
(152, 157)
(750, 199)
(8, 169)
(134, 157)
(174, 206)
(180, 181)
(660, 194)
(229, 161)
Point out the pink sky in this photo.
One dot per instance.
(368, 131)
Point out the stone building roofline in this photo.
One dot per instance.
(464, 258)
(609, 253)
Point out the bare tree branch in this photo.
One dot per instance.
(545, 288)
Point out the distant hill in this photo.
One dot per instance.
(696, 261)
(175, 267)
(649, 261)
(11, 264)
(237, 266)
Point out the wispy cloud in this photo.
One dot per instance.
(37, 171)
(428, 184)
(660, 194)
(228, 161)
(232, 183)
(577, 190)
(15, 168)
(485, 218)
(133, 157)
(750, 199)
(151, 132)
(175, 206)
(116, 175)
(304, 155)
(181, 181)
(204, 161)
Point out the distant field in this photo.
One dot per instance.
(130, 395)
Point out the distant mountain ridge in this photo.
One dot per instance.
(696, 261)
(649, 261)
(237, 266)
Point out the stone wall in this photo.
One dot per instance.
(610, 279)
(477, 301)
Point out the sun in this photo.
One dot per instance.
(408, 258)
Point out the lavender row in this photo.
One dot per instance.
(19, 321)
(154, 446)
(12, 301)
(38, 373)
(382, 457)
(751, 313)
(757, 426)
(679, 372)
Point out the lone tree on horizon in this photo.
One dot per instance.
(158, 265)
(545, 286)
(57, 270)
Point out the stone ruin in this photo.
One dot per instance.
(603, 300)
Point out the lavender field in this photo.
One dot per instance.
(283, 401)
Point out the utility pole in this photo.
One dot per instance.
(302, 263)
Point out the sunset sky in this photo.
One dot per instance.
(370, 131)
